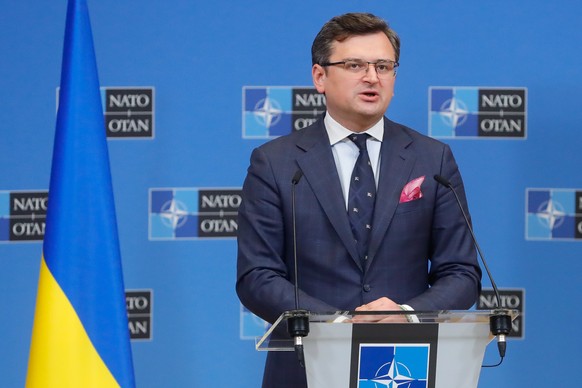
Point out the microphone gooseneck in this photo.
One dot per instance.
(298, 320)
(294, 182)
(448, 185)
(500, 321)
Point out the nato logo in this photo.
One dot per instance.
(472, 112)
(393, 365)
(22, 215)
(251, 326)
(273, 111)
(129, 112)
(553, 214)
(190, 213)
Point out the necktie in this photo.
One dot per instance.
(362, 196)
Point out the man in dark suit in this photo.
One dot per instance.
(418, 254)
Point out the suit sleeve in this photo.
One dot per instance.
(455, 275)
(265, 263)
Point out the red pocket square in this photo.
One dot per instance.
(411, 191)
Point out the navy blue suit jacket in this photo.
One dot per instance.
(420, 254)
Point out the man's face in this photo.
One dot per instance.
(357, 101)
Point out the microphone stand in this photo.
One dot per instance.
(500, 320)
(298, 320)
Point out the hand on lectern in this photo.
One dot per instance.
(381, 304)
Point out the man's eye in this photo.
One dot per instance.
(354, 65)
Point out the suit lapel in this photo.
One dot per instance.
(320, 171)
(395, 169)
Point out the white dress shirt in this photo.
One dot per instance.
(346, 152)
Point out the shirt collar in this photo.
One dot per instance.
(337, 132)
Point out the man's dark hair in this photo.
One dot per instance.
(344, 26)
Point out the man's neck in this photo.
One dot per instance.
(357, 127)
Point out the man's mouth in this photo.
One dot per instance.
(369, 94)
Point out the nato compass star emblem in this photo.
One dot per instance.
(393, 366)
(453, 112)
(267, 112)
(174, 214)
(551, 214)
(392, 375)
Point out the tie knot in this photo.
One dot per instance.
(360, 140)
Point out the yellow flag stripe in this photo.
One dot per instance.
(61, 353)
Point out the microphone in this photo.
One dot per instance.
(500, 321)
(298, 320)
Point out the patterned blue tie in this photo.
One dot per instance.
(362, 196)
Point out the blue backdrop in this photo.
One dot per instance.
(195, 62)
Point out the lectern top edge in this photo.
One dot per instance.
(271, 342)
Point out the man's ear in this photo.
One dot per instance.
(319, 75)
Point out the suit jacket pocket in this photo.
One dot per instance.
(409, 206)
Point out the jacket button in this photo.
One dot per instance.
(367, 288)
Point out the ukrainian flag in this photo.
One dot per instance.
(80, 336)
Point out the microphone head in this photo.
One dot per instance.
(440, 179)
(297, 177)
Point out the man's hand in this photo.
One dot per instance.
(381, 304)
